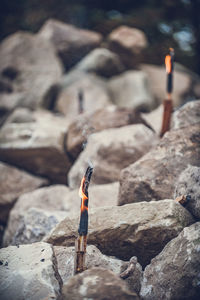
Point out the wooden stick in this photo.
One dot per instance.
(81, 242)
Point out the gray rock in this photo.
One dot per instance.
(94, 89)
(94, 258)
(154, 176)
(102, 62)
(39, 143)
(128, 43)
(154, 118)
(131, 89)
(29, 272)
(98, 284)
(188, 184)
(174, 273)
(110, 151)
(157, 81)
(35, 67)
(33, 226)
(70, 43)
(139, 229)
(13, 183)
(86, 124)
(56, 198)
(187, 115)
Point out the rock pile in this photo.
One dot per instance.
(68, 98)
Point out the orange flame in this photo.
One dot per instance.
(168, 63)
(83, 196)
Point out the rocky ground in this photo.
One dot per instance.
(142, 242)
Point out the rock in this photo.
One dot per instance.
(110, 151)
(131, 89)
(35, 67)
(40, 143)
(32, 226)
(138, 229)
(132, 273)
(102, 62)
(128, 43)
(187, 115)
(56, 198)
(85, 124)
(28, 272)
(154, 118)
(70, 43)
(154, 176)
(13, 183)
(98, 284)
(157, 81)
(188, 185)
(174, 273)
(94, 258)
(94, 90)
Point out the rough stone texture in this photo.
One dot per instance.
(70, 43)
(39, 143)
(187, 115)
(157, 81)
(31, 66)
(174, 273)
(95, 94)
(94, 258)
(154, 176)
(28, 272)
(131, 89)
(85, 124)
(98, 284)
(13, 183)
(110, 151)
(32, 226)
(128, 43)
(154, 118)
(139, 229)
(57, 198)
(189, 184)
(102, 62)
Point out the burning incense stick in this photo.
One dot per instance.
(81, 242)
(80, 101)
(167, 104)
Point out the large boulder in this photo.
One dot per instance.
(14, 183)
(32, 226)
(98, 284)
(131, 89)
(54, 198)
(29, 272)
(70, 43)
(94, 258)
(139, 229)
(110, 151)
(94, 92)
(37, 146)
(154, 176)
(85, 124)
(187, 115)
(157, 81)
(31, 66)
(188, 184)
(101, 61)
(128, 43)
(174, 273)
